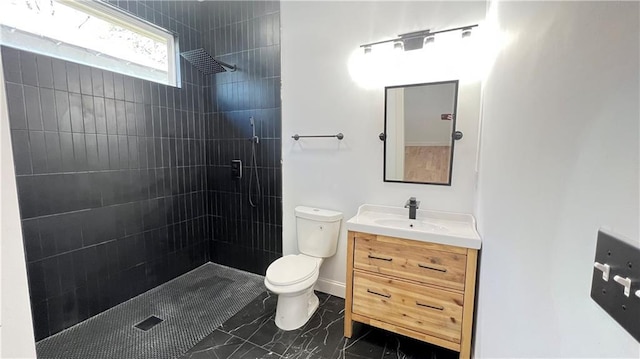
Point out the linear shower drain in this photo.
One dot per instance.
(148, 323)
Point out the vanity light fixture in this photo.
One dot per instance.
(417, 39)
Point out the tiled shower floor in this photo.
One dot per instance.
(252, 334)
(191, 306)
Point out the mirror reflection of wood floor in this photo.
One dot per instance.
(427, 163)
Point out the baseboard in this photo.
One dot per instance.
(332, 287)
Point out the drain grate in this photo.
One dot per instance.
(148, 323)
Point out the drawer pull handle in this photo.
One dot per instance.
(380, 294)
(429, 306)
(432, 268)
(380, 258)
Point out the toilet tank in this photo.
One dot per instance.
(318, 231)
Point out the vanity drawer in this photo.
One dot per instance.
(424, 309)
(423, 262)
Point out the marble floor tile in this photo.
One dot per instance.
(270, 337)
(253, 316)
(320, 336)
(253, 334)
(217, 345)
(251, 351)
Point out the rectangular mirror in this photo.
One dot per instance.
(420, 122)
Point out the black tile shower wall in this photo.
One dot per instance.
(247, 34)
(111, 175)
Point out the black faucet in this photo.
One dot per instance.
(412, 204)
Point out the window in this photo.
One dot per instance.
(92, 33)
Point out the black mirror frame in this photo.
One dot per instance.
(454, 133)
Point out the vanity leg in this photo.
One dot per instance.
(348, 300)
(469, 301)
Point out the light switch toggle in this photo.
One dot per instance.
(626, 282)
(638, 293)
(605, 270)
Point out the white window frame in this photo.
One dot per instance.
(45, 46)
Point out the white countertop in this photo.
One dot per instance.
(454, 229)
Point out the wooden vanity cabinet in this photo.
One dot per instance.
(418, 289)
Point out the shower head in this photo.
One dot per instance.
(251, 121)
(204, 62)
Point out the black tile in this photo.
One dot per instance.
(51, 276)
(54, 308)
(15, 101)
(75, 111)
(121, 117)
(251, 351)
(38, 152)
(65, 268)
(73, 77)
(91, 143)
(216, 345)
(97, 82)
(54, 154)
(45, 71)
(32, 104)
(69, 309)
(123, 152)
(398, 347)
(246, 322)
(11, 64)
(63, 111)
(29, 68)
(83, 302)
(66, 150)
(103, 152)
(21, 152)
(59, 74)
(31, 238)
(272, 338)
(79, 152)
(48, 105)
(118, 86)
(100, 115)
(108, 84)
(114, 161)
(130, 113)
(366, 342)
(323, 333)
(128, 89)
(40, 314)
(110, 114)
(88, 114)
(86, 86)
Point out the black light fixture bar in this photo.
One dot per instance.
(419, 35)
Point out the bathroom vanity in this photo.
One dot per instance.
(414, 277)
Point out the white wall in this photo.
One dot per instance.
(328, 88)
(16, 330)
(424, 106)
(559, 158)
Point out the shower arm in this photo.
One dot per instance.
(231, 68)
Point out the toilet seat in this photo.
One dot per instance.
(291, 269)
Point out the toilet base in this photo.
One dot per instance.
(294, 310)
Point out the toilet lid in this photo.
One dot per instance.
(291, 269)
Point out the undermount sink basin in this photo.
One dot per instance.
(455, 229)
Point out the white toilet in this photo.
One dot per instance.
(292, 277)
